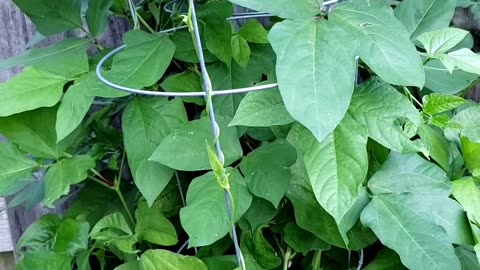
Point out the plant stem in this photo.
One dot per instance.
(122, 199)
(145, 23)
(98, 181)
(317, 260)
(101, 177)
(286, 258)
(122, 164)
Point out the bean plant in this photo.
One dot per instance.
(366, 155)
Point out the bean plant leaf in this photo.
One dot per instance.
(464, 59)
(112, 221)
(184, 149)
(262, 109)
(13, 165)
(167, 260)
(187, 81)
(132, 265)
(267, 170)
(284, 8)
(97, 14)
(240, 50)
(254, 32)
(305, 72)
(218, 39)
(436, 144)
(154, 227)
(442, 40)
(46, 260)
(439, 103)
(385, 46)
(469, 123)
(302, 241)
(440, 80)
(185, 49)
(467, 193)
(30, 90)
(72, 237)
(378, 105)
(336, 167)
(421, 16)
(64, 173)
(146, 122)
(260, 249)
(52, 17)
(467, 258)
(205, 218)
(40, 235)
(52, 58)
(384, 260)
(470, 155)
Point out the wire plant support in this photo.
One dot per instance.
(207, 92)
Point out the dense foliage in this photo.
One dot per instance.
(365, 157)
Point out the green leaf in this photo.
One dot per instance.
(30, 90)
(40, 235)
(437, 145)
(469, 121)
(421, 16)
(441, 41)
(215, 10)
(336, 167)
(205, 218)
(93, 87)
(185, 49)
(13, 165)
(440, 80)
(64, 173)
(385, 46)
(143, 62)
(146, 122)
(467, 258)
(218, 39)
(52, 59)
(187, 81)
(184, 149)
(261, 212)
(240, 50)
(402, 173)
(284, 8)
(167, 260)
(305, 72)
(97, 15)
(221, 262)
(83, 259)
(267, 170)
(302, 241)
(72, 237)
(260, 249)
(385, 259)
(378, 105)
(152, 226)
(470, 154)
(464, 59)
(113, 221)
(262, 109)
(73, 109)
(46, 260)
(132, 265)
(264, 58)
(439, 103)
(52, 17)
(420, 243)
(467, 193)
(254, 32)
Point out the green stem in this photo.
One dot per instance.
(145, 23)
(101, 177)
(412, 98)
(124, 203)
(122, 164)
(317, 260)
(98, 181)
(286, 258)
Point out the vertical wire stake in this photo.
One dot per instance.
(207, 87)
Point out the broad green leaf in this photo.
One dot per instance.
(52, 17)
(52, 59)
(470, 154)
(302, 241)
(152, 226)
(284, 8)
(467, 258)
(420, 243)
(442, 40)
(132, 265)
(439, 103)
(316, 78)
(218, 39)
(386, 259)
(261, 212)
(187, 81)
(13, 165)
(82, 260)
(403, 173)
(260, 249)
(336, 167)
(46, 260)
(240, 50)
(34, 132)
(205, 218)
(267, 170)
(264, 58)
(97, 15)
(385, 45)
(215, 10)
(143, 62)
(146, 122)
(185, 49)
(437, 146)
(467, 193)
(378, 105)
(93, 87)
(73, 109)
(469, 123)
(464, 59)
(262, 109)
(184, 149)
(421, 16)
(72, 237)
(440, 80)
(40, 235)
(221, 262)
(113, 221)
(30, 90)
(64, 173)
(167, 260)
(254, 32)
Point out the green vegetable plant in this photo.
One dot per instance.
(366, 155)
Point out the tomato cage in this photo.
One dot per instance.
(207, 92)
